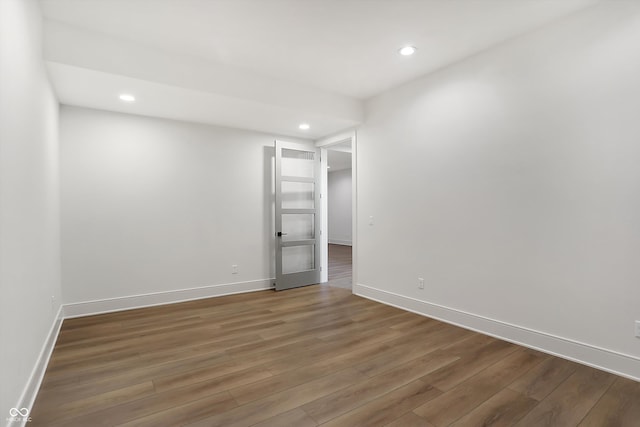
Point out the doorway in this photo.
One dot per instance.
(342, 149)
(339, 224)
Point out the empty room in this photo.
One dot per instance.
(319, 213)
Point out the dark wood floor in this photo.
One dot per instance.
(311, 356)
(340, 267)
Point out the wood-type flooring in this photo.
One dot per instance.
(340, 267)
(311, 356)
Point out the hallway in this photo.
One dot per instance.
(340, 266)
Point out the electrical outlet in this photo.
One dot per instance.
(53, 302)
(371, 220)
(234, 269)
(420, 283)
(638, 328)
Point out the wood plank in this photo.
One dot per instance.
(216, 381)
(343, 343)
(502, 410)
(620, 406)
(58, 409)
(338, 403)
(145, 406)
(469, 364)
(570, 402)
(539, 382)
(463, 398)
(295, 417)
(278, 403)
(410, 420)
(124, 375)
(388, 407)
(414, 322)
(188, 412)
(471, 344)
(410, 347)
(340, 266)
(291, 378)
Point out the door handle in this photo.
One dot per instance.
(280, 234)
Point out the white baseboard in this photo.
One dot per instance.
(340, 242)
(604, 359)
(28, 396)
(88, 308)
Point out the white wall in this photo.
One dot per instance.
(152, 205)
(511, 183)
(339, 206)
(29, 214)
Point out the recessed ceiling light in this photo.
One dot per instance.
(328, 167)
(304, 126)
(127, 97)
(407, 50)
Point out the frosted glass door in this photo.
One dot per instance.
(297, 215)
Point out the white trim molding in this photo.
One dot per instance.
(324, 143)
(88, 308)
(337, 138)
(28, 396)
(604, 359)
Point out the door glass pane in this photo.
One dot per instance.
(297, 258)
(297, 163)
(297, 195)
(298, 226)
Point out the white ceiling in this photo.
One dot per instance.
(290, 60)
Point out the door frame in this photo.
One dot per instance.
(323, 144)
